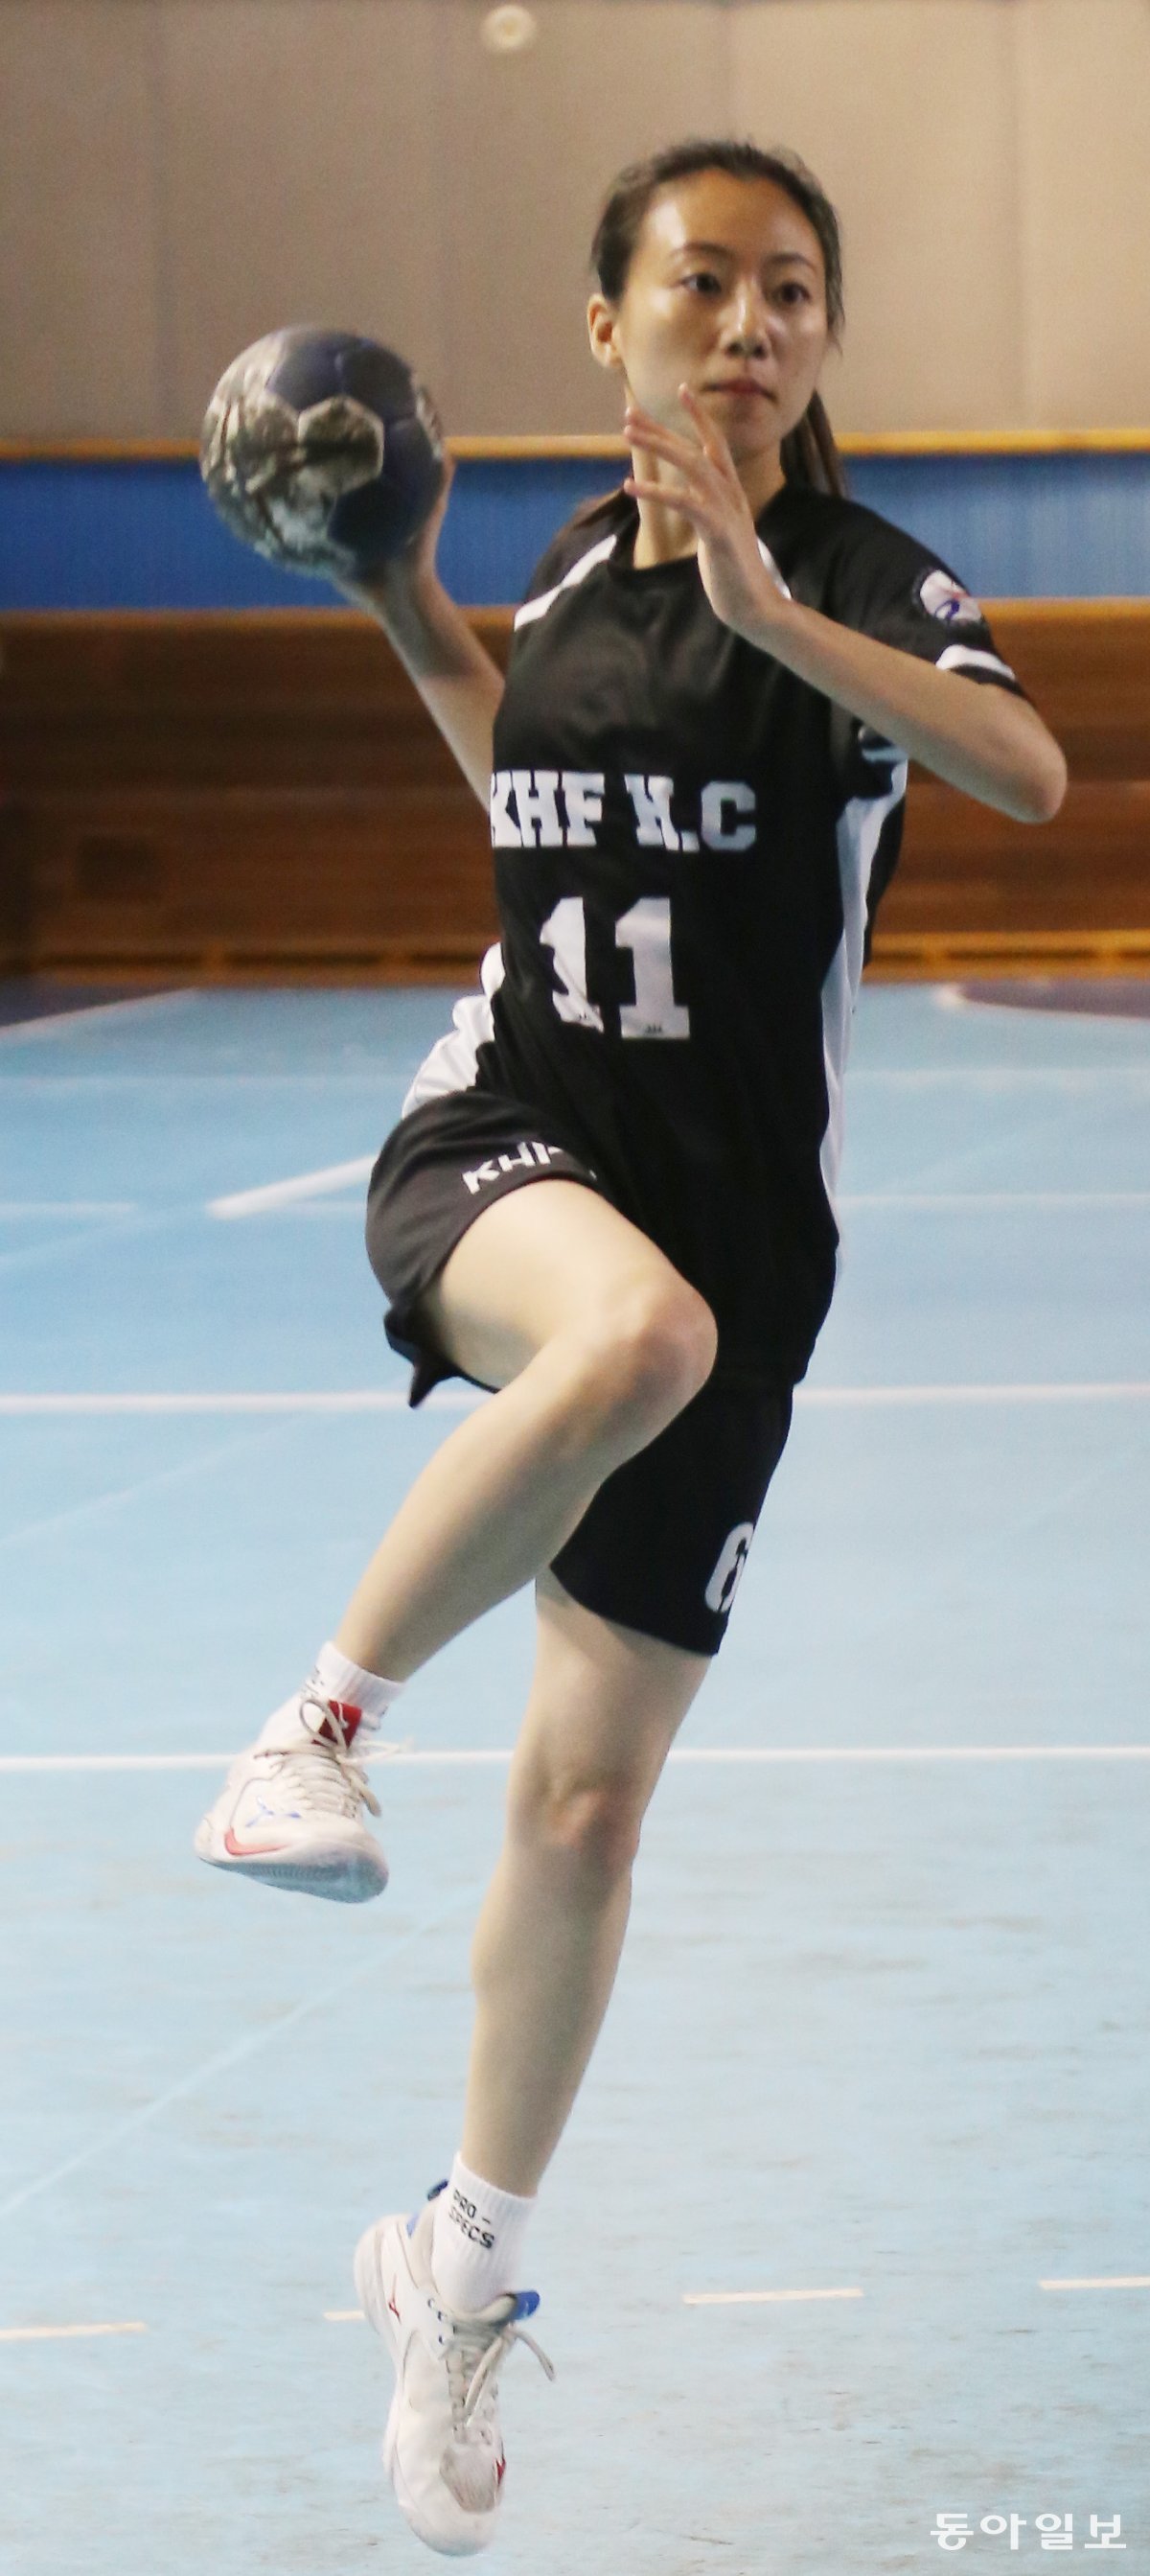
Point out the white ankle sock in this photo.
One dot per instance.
(340, 1679)
(477, 2241)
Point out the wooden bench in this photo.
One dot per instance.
(260, 794)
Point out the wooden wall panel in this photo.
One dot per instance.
(264, 794)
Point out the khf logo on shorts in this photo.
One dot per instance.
(529, 1155)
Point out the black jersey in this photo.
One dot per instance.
(690, 843)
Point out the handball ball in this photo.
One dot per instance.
(323, 451)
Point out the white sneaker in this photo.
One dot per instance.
(442, 2447)
(291, 1809)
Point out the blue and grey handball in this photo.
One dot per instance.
(323, 451)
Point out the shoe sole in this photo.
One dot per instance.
(369, 2286)
(344, 1879)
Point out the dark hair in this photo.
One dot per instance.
(808, 454)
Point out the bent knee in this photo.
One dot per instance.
(652, 1348)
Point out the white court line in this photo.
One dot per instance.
(306, 1185)
(908, 1753)
(56, 1023)
(958, 1202)
(900, 1203)
(758, 2298)
(468, 1756)
(999, 1077)
(451, 1399)
(248, 2046)
(1100, 1391)
(359, 1400)
(53, 2334)
(13, 1211)
(378, 1078)
(113, 1496)
(1116, 2281)
(691, 2299)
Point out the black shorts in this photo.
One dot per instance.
(662, 1545)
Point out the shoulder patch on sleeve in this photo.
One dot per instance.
(941, 596)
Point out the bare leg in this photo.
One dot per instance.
(596, 1343)
(605, 1704)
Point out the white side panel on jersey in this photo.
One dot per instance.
(858, 834)
(538, 607)
(454, 1060)
(959, 657)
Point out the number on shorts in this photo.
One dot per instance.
(646, 932)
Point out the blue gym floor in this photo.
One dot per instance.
(850, 2226)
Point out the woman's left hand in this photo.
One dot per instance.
(708, 493)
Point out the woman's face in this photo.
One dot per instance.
(726, 293)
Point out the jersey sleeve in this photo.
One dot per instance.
(893, 587)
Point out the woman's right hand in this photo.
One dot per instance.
(404, 577)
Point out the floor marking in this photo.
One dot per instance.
(1116, 2281)
(343, 1210)
(13, 1211)
(377, 1082)
(311, 1186)
(998, 1077)
(907, 1753)
(945, 1202)
(758, 2298)
(55, 1023)
(306, 1185)
(409, 1757)
(53, 2334)
(247, 2047)
(852, 1203)
(201, 1464)
(358, 1400)
(461, 1399)
(1102, 1391)
(691, 2299)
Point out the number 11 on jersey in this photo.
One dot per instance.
(646, 931)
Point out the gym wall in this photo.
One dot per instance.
(176, 176)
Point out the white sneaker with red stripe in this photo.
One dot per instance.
(442, 2447)
(291, 1809)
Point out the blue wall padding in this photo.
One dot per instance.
(142, 534)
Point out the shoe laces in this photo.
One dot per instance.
(322, 1773)
(474, 2354)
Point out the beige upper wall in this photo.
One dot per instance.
(79, 236)
(301, 182)
(906, 111)
(1084, 171)
(177, 176)
(532, 142)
